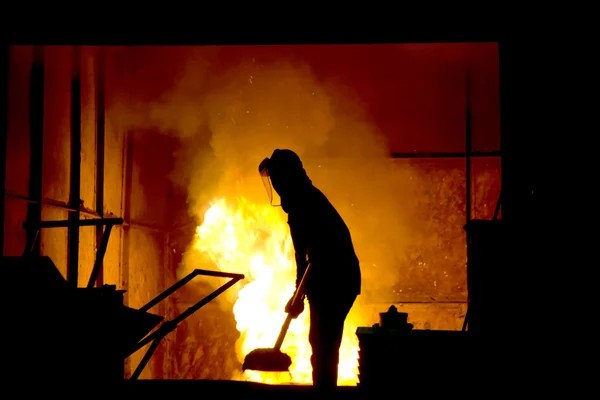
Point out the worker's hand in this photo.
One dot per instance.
(295, 310)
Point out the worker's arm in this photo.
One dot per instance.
(299, 238)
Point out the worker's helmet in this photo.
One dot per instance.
(279, 172)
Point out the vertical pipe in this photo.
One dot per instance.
(75, 184)
(100, 132)
(468, 149)
(163, 306)
(507, 169)
(167, 363)
(468, 191)
(127, 186)
(36, 132)
(4, 68)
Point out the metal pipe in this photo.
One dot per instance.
(84, 211)
(51, 203)
(126, 190)
(169, 326)
(75, 184)
(468, 145)
(207, 299)
(126, 185)
(4, 71)
(100, 133)
(139, 225)
(36, 137)
(125, 208)
(185, 280)
(30, 246)
(68, 223)
(138, 370)
(99, 262)
(507, 137)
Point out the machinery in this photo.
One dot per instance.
(60, 333)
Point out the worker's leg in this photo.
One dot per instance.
(326, 329)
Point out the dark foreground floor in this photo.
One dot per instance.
(229, 388)
(220, 390)
(428, 386)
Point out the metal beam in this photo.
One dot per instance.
(468, 145)
(127, 192)
(75, 179)
(127, 183)
(36, 133)
(4, 71)
(168, 326)
(85, 212)
(100, 132)
(68, 223)
(468, 148)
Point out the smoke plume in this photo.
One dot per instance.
(228, 121)
(405, 220)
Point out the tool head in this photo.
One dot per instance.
(269, 360)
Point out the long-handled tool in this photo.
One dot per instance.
(273, 359)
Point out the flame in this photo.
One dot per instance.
(239, 236)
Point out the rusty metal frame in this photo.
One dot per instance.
(35, 227)
(168, 326)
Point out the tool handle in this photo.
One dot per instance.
(283, 332)
(298, 296)
(299, 293)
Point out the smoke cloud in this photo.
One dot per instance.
(405, 220)
(230, 120)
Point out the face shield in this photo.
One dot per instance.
(263, 169)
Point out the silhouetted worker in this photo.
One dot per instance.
(320, 236)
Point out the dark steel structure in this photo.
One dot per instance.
(167, 327)
(36, 137)
(100, 132)
(75, 179)
(115, 331)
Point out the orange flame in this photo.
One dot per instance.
(238, 236)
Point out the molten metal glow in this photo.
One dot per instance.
(242, 237)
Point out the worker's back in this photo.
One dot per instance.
(317, 223)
